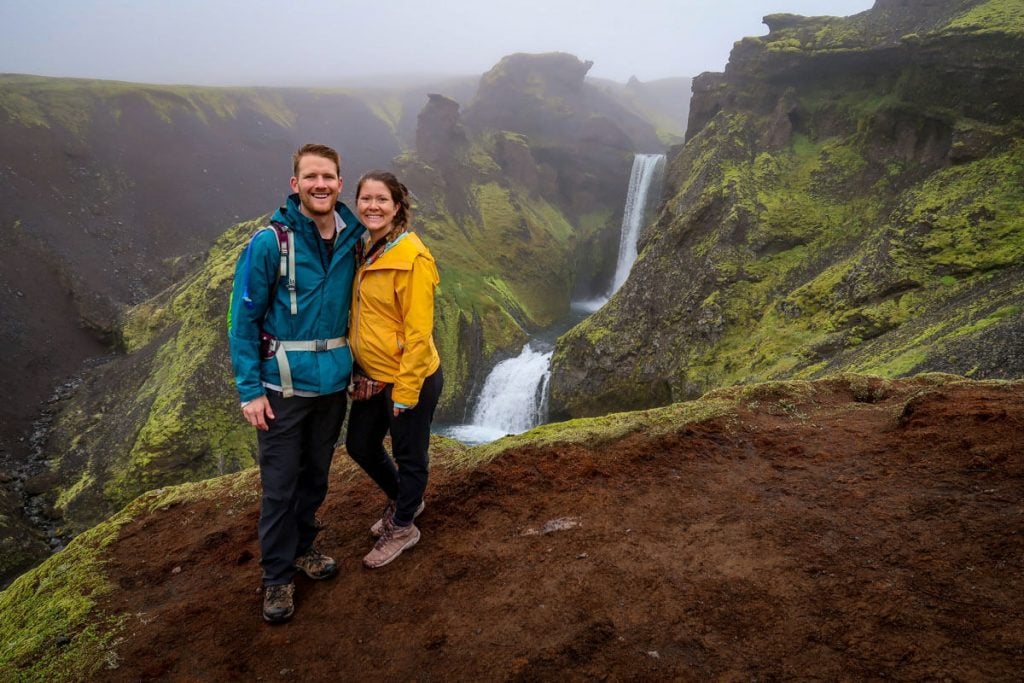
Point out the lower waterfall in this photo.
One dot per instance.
(513, 399)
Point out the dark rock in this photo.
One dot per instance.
(439, 135)
(41, 483)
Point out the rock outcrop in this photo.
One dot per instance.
(848, 198)
(439, 134)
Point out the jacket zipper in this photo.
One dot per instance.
(354, 334)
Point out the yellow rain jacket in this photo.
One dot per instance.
(391, 335)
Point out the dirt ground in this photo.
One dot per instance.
(841, 537)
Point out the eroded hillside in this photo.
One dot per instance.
(113, 191)
(845, 528)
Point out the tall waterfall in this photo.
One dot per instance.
(645, 169)
(513, 400)
(642, 177)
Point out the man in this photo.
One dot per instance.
(286, 327)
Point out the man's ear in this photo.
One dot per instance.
(295, 184)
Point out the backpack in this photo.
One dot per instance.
(286, 245)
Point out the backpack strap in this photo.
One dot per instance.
(286, 245)
(272, 347)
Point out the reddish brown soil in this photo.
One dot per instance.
(826, 539)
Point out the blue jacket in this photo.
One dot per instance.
(324, 296)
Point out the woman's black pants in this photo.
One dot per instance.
(403, 479)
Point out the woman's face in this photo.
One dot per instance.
(375, 207)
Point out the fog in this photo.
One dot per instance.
(323, 42)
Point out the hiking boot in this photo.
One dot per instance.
(316, 565)
(391, 543)
(279, 603)
(389, 513)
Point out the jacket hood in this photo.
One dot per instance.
(405, 250)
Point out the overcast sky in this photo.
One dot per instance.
(323, 42)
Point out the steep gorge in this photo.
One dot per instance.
(849, 198)
(505, 206)
(112, 192)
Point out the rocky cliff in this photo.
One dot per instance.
(579, 134)
(849, 197)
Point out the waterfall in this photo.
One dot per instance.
(645, 167)
(513, 399)
(515, 395)
(641, 180)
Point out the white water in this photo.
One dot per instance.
(641, 178)
(513, 400)
(645, 168)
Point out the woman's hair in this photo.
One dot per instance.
(399, 195)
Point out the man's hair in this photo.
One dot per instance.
(316, 150)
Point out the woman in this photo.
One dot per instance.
(398, 379)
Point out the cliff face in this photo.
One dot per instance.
(849, 197)
(581, 137)
(504, 239)
(517, 195)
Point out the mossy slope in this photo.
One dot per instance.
(844, 202)
(51, 628)
(165, 412)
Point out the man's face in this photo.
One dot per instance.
(318, 185)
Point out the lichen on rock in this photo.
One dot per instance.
(832, 209)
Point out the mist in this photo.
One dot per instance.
(324, 43)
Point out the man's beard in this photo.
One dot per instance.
(307, 205)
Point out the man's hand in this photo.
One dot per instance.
(257, 412)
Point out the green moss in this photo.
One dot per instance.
(52, 626)
(968, 217)
(22, 110)
(990, 320)
(388, 107)
(819, 256)
(74, 104)
(993, 16)
(84, 480)
(179, 421)
(50, 629)
(596, 432)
